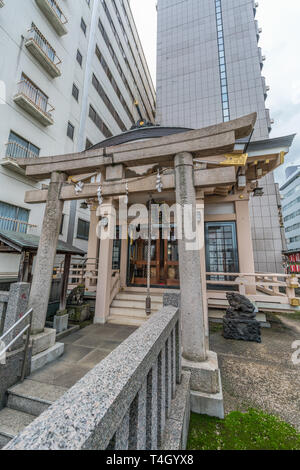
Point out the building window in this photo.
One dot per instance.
(222, 62)
(75, 92)
(61, 231)
(83, 26)
(108, 103)
(79, 57)
(70, 131)
(17, 147)
(13, 218)
(114, 83)
(99, 123)
(111, 50)
(83, 229)
(221, 249)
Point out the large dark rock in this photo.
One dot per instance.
(240, 320)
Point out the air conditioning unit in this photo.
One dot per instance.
(272, 121)
(260, 30)
(256, 4)
(267, 88)
(263, 58)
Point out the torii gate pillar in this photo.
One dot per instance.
(206, 389)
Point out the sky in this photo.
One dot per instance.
(280, 43)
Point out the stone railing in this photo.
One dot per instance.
(127, 402)
(115, 285)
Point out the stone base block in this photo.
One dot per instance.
(43, 341)
(79, 313)
(204, 375)
(60, 323)
(210, 404)
(45, 357)
(241, 329)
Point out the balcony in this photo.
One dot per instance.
(262, 58)
(269, 120)
(14, 150)
(266, 88)
(40, 48)
(255, 6)
(258, 30)
(54, 15)
(2, 3)
(34, 102)
(15, 225)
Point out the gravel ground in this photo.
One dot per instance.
(262, 375)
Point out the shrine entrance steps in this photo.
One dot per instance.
(128, 307)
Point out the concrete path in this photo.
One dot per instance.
(83, 351)
(260, 375)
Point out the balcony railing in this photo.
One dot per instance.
(30, 98)
(42, 50)
(15, 225)
(54, 14)
(2, 3)
(15, 150)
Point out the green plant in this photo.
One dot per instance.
(254, 430)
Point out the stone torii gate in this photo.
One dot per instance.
(178, 151)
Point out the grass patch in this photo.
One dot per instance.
(254, 430)
(215, 327)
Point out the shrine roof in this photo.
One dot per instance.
(27, 242)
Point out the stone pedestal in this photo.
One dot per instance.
(45, 349)
(206, 386)
(43, 341)
(79, 313)
(241, 329)
(60, 322)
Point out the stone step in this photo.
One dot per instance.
(129, 321)
(138, 296)
(130, 312)
(135, 304)
(12, 422)
(33, 397)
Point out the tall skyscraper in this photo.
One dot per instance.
(71, 75)
(209, 70)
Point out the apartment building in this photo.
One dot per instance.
(71, 75)
(291, 207)
(209, 70)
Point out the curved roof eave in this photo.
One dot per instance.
(139, 134)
